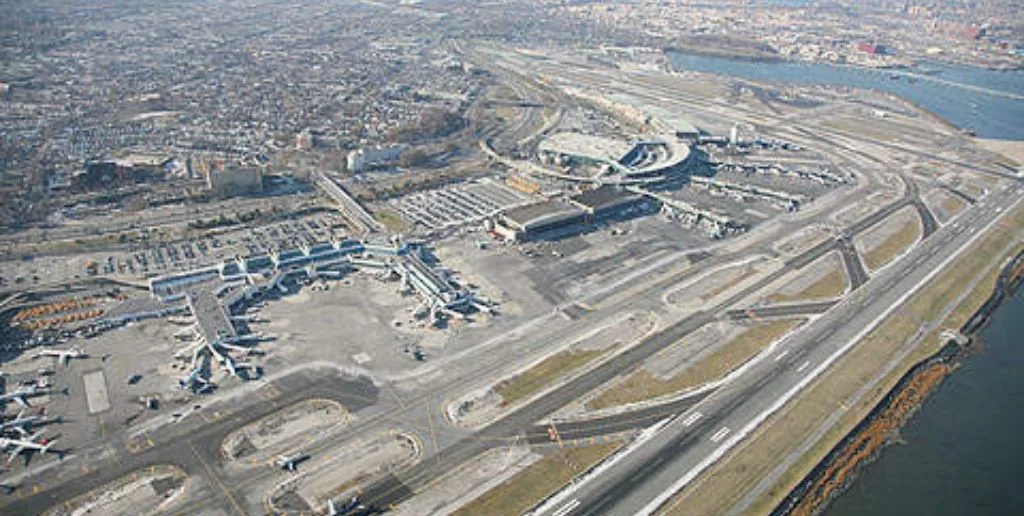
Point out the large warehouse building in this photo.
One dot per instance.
(557, 218)
(530, 221)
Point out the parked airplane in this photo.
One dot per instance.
(349, 508)
(62, 356)
(23, 423)
(290, 462)
(19, 446)
(180, 320)
(21, 395)
(195, 382)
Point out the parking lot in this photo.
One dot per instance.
(457, 205)
(167, 257)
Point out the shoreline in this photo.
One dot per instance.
(865, 442)
(767, 57)
(924, 111)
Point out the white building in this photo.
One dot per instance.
(362, 159)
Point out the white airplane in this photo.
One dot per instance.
(290, 462)
(194, 382)
(19, 446)
(62, 356)
(181, 320)
(349, 508)
(21, 422)
(21, 396)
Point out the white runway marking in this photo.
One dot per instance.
(803, 366)
(692, 418)
(567, 508)
(719, 435)
(781, 355)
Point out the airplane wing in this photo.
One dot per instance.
(15, 452)
(21, 401)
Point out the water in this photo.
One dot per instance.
(964, 452)
(970, 98)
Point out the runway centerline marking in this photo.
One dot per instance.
(803, 366)
(781, 355)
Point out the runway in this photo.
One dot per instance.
(650, 474)
(395, 488)
(193, 445)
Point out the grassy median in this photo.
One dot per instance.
(724, 485)
(952, 204)
(893, 245)
(828, 286)
(538, 481)
(642, 385)
(542, 374)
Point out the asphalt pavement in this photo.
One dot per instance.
(646, 478)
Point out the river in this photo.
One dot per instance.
(963, 452)
(988, 102)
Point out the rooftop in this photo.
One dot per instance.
(588, 146)
(541, 212)
(603, 196)
(213, 320)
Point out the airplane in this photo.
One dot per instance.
(195, 382)
(349, 508)
(62, 356)
(20, 422)
(241, 349)
(21, 395)
(181, 320)
(290, 462)
(20, 446)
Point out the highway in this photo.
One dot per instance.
(649, 475)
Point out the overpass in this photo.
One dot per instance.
(362, 221)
